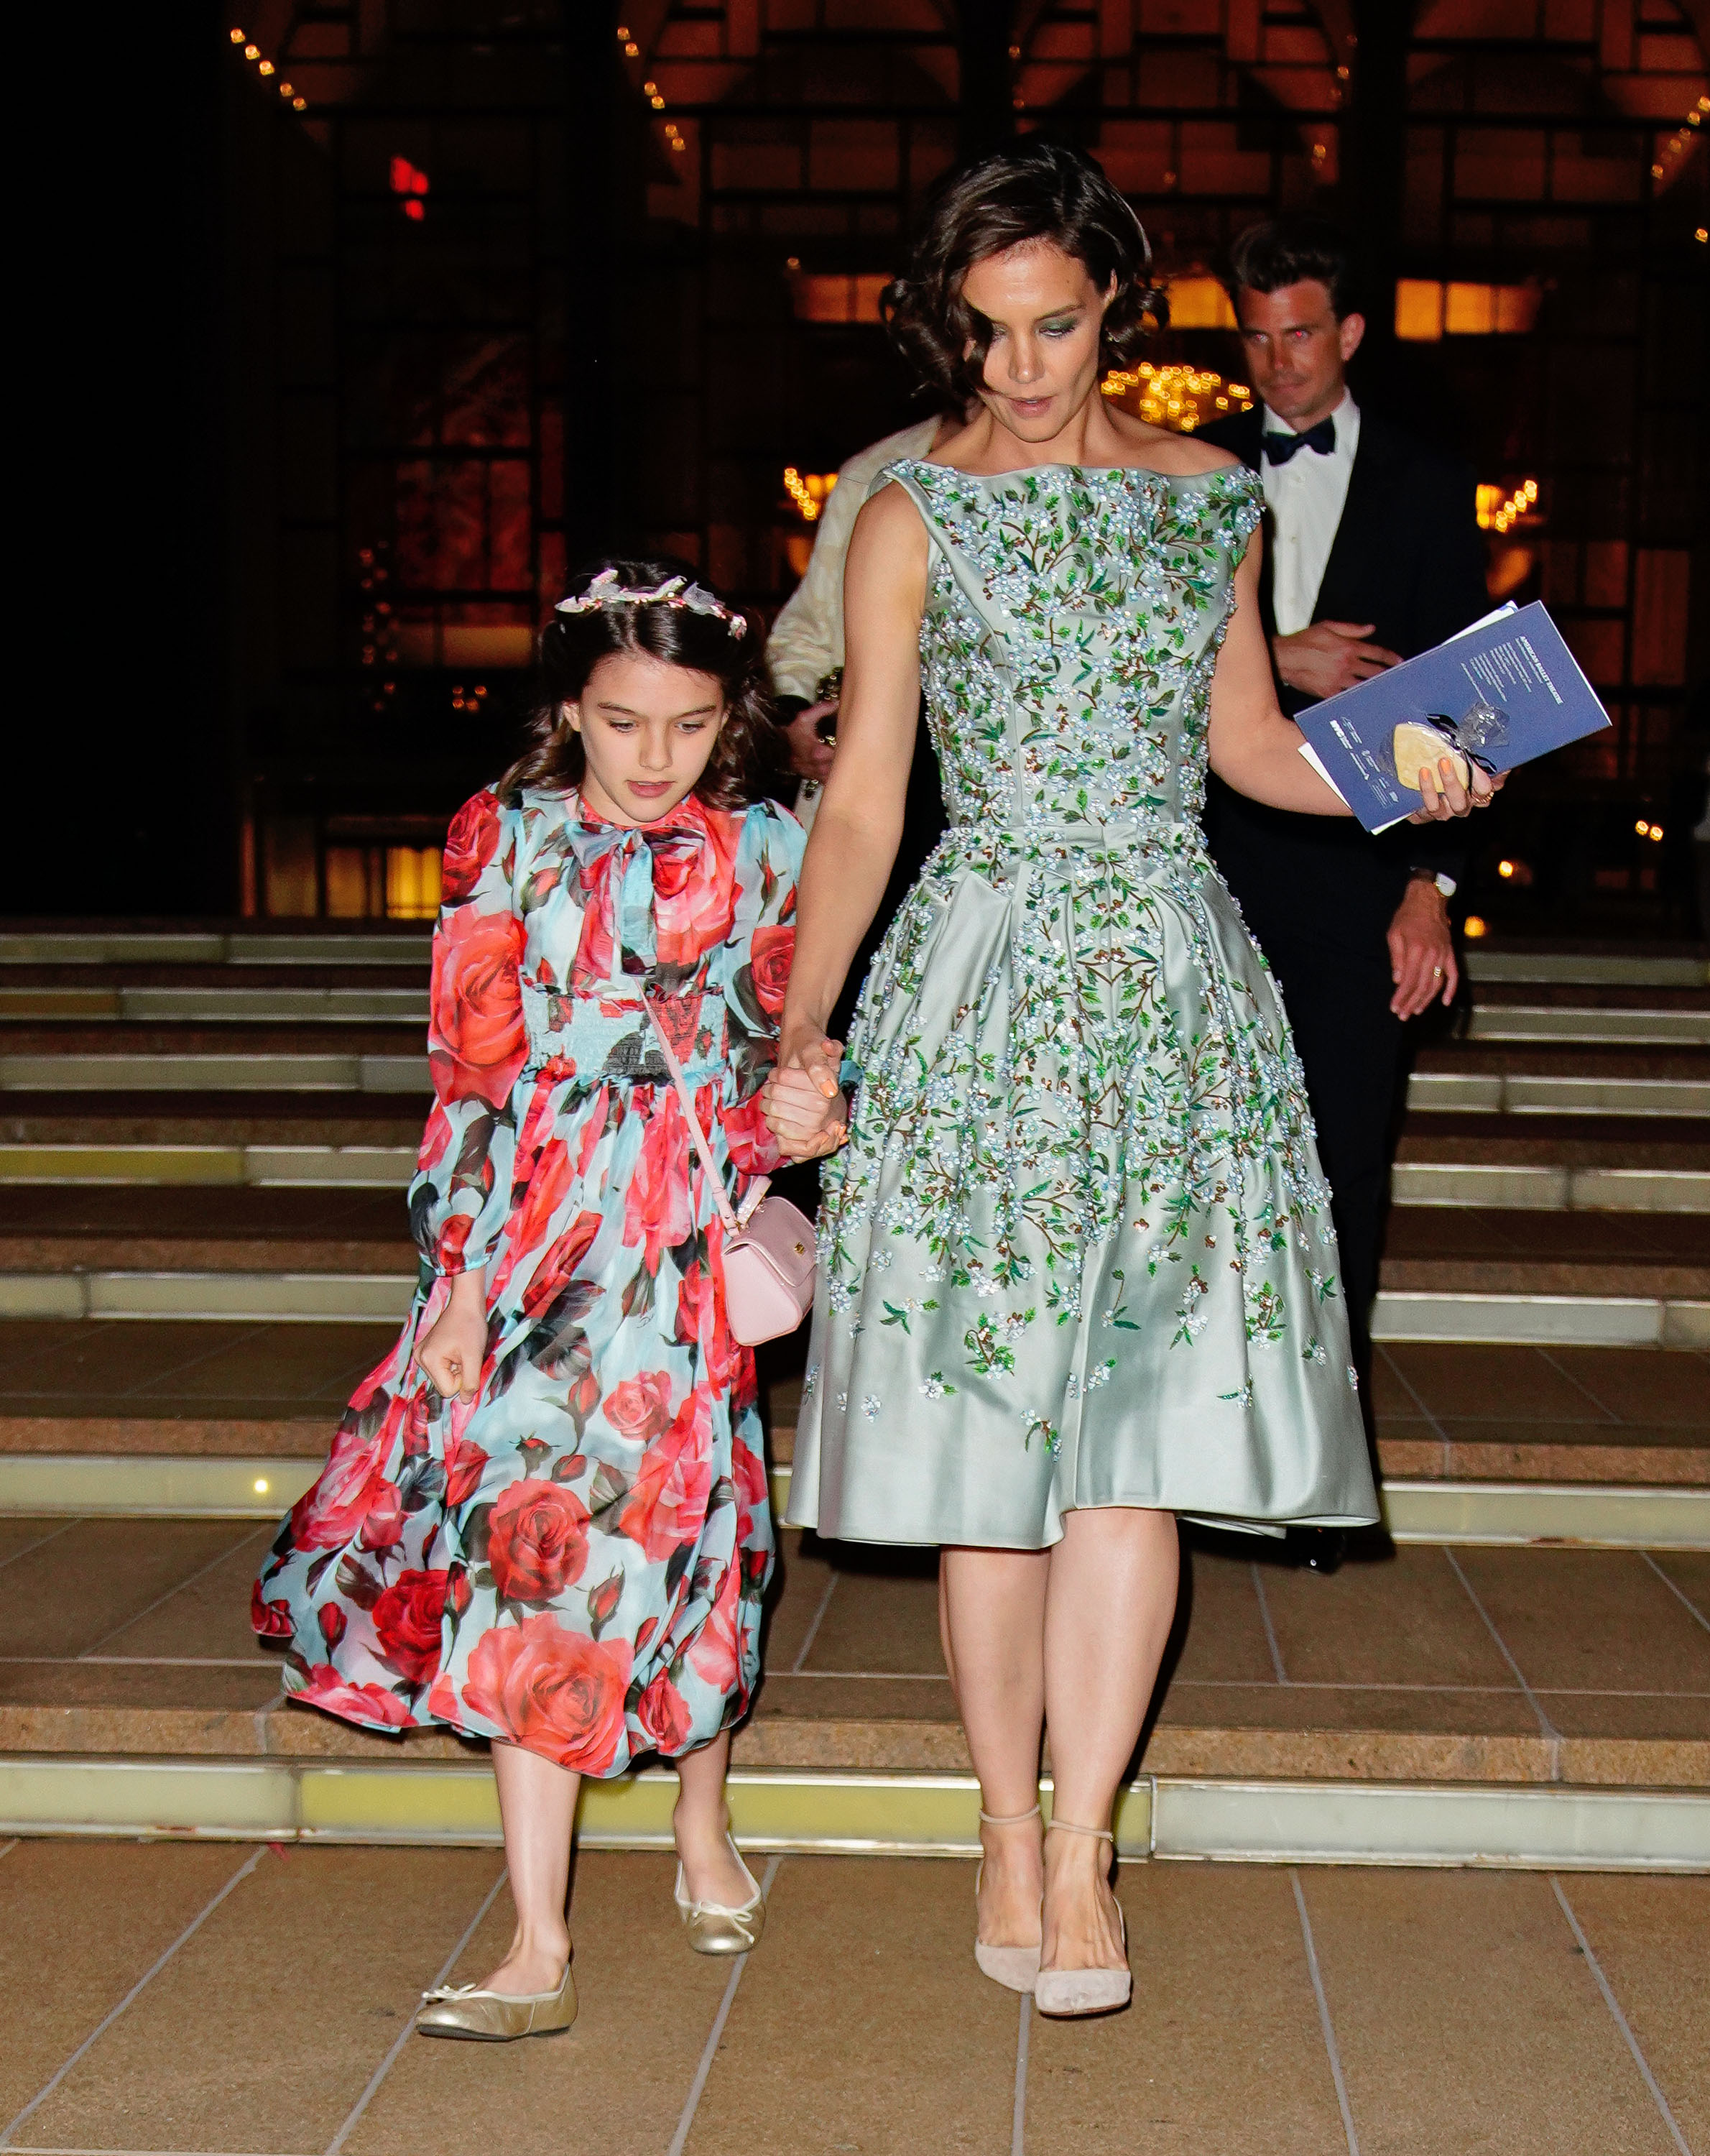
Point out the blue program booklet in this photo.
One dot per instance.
(1497, 695)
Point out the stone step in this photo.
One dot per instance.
(237, 1072)
(275, 1002)
(238, 1119)
(1611, 968)
(1539, 1685)
(1547, 1022)
(1491, 1184)
(235, 1394)
(1545, 1093)
(1541, 1141)
(1429, 1509)
(1440, 1088)
(390, 1168)
(357, 1166)
(1657, 1319)
(54, 946)
(1556, 1827)
(272, 1004)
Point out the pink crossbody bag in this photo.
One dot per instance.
(769, 1251)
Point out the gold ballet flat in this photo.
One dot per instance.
(713, 1929)
(496, 2017)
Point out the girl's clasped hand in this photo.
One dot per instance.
(806, 1109)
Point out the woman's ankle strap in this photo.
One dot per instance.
(1069, 1826)
(1008, 1819)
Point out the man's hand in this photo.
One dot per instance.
(1422, 951)
(1330, 656)
(809, 755)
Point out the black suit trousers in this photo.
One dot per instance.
(1350, 1042)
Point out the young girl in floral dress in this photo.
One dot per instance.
(545, 1520)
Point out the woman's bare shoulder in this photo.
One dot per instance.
(1160, 448)
(889, 519)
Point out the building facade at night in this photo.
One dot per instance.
(508, 281)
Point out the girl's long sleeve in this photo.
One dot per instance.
(477, 1044)
(755, 969)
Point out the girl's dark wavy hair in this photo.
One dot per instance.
(1042, 191)
(572, 645)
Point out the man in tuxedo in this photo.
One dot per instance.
(1372, 554)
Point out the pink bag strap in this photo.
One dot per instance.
(734, 1224)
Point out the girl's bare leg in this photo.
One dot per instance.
(702, 1822)
(992, 1608)
(537, 1803)
(1108, 1613)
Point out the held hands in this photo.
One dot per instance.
(1422, 951)
(1442, 794)
(1330, 656)
(456, 1345)
(810, 753)
(804, 1103)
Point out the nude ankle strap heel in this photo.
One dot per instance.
(1069, 1993)
(1016, 1967)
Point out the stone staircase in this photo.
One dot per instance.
(203, 1139)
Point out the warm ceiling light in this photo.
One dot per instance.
(266, 68)
(1472, 926)
(1505, 869)
(252, 52)
(1642, 828)
(238, 37)
(286, 90)
(299, 105)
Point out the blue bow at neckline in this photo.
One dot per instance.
(638, 846)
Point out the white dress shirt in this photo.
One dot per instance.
(1306, 497)
(807, 641)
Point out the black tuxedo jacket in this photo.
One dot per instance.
(1407, 556)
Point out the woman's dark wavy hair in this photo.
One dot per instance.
(572, 645)
(1042, 191)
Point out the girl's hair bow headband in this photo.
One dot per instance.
(605, 591)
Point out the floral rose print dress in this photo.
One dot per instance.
(575, 1559)
(1078, 1249)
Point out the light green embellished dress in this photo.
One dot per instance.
(1078, 1251)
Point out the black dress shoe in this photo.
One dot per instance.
(1320, 1549)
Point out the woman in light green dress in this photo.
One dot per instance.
(1078, 1270)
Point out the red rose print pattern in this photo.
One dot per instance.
(574, 1561)
(407, 1622)
(556, 1692)
(537, 1541)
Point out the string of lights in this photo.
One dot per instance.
(1497, 513)
(808, 493)
(651, 90)
(1680, 146)
(1179, 398)
(265, 69)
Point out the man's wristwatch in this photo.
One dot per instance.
(1445, 884)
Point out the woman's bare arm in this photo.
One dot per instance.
(1255, 750)
(1252, 747)
(859, 823)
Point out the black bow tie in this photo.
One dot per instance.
(1279, 448)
